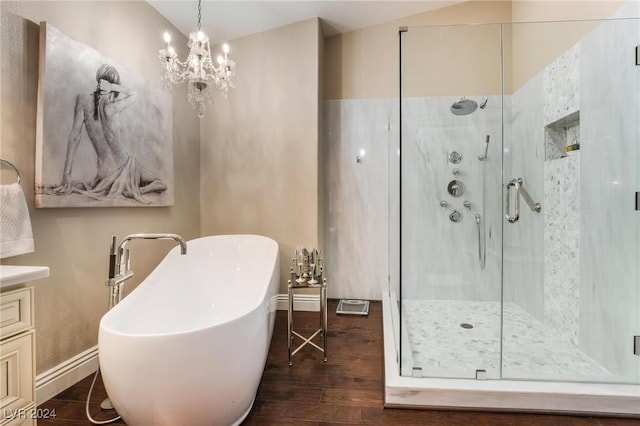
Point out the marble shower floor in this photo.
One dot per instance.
(441, 346)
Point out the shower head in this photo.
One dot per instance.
(464, 106)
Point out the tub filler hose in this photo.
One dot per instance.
(91, 419)
(115, 295)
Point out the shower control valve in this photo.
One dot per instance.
(455, 188)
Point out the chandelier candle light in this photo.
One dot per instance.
(198, 71)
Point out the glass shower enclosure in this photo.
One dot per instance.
(515, 246)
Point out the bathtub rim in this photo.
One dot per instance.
(271, 299)
(506, 395)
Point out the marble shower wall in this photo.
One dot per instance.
(357, 204)
(439, 256)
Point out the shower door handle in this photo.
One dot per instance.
(513, 183)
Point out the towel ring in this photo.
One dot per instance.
(10, 164)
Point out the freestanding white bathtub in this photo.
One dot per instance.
(188, 346)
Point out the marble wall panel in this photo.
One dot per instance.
(440, 257)
(357, 216)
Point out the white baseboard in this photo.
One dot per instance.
(301, 302)
(66, 374)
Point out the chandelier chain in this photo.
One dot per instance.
(199, 13)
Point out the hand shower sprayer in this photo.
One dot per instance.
(482, 231)
(483, 157)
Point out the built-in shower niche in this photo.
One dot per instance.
(562, 136)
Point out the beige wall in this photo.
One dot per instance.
(74, 243)
(364, 63)
(259, 147)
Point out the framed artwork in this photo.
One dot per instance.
(104, 135)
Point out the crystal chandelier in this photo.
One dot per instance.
(198, 71)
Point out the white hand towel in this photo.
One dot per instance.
(16, 236)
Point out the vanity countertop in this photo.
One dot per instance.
(11, 274)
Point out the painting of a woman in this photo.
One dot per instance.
(98, 113)
(106, 138)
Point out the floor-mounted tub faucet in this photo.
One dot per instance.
(119, 259)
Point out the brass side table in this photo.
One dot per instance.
(318, 282)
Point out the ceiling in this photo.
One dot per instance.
(229, 20)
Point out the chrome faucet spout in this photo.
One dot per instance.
(176, 237)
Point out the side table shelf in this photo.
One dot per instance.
(322, 331)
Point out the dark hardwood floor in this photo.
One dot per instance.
(347, 389)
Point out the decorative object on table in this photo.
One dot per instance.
(104, 133)
(17, 236)
(307, 271)
(198, 70)
(307, 266)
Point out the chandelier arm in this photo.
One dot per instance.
(181, 73)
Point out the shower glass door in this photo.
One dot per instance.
(450, 201)
(572, 144)
(519, 222)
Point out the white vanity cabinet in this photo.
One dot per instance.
(17, 357)
(17, 346)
